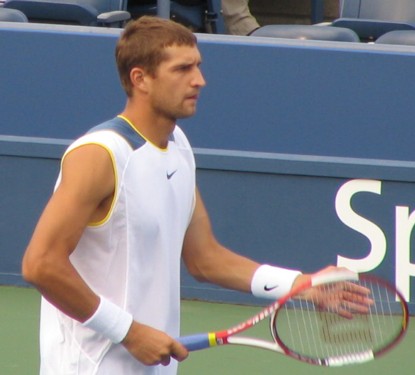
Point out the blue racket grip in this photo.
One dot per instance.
(197, 342)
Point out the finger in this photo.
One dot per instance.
(165, 360)
(344, 313)
(352, 287)
(354, 308)
(357, 301)
(179, 352)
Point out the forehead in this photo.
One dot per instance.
(178, 54)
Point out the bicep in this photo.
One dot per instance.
(87, 179)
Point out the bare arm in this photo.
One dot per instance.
(87, 181)
(83, 196)
(209, 261)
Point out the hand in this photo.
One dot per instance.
(301, 279)
(344, 298)
(151, 346)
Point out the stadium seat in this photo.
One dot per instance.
(80, 12)
(199, 15)
(317, 11)
(372, 18)
(307, 32)
(406, 37)
(12, 15)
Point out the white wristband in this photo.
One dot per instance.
(110, 320)
(272, 282)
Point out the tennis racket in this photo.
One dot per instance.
(334, 319)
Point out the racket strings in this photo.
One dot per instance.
(348, 322)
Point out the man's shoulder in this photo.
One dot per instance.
(122, 129)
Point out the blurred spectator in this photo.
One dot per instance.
(238, 18)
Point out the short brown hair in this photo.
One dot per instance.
(142, 44)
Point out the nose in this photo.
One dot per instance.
(198, 79)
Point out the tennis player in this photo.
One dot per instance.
(106, 251)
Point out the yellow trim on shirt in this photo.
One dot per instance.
(114, 168)
(128, 121)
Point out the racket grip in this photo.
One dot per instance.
(196, 342)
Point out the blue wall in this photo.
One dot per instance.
(276, 208)
(300, 97)
(282, 126)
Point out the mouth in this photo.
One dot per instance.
(193, 97)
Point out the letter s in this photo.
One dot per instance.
(360, 224)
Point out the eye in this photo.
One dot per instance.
(185, 68)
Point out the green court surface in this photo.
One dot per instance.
(19, 344)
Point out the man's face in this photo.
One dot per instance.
(175, 89)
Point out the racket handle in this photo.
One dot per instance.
(196, 342)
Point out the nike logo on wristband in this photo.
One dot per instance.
(270, 288)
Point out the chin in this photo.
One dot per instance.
(187, 114)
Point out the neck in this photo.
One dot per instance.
(154, 129)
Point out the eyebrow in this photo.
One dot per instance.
(185, 63)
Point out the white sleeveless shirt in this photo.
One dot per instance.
(132, 257)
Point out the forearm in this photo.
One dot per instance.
(59, 282)
(226, 269)
(230, 270)
(209, 261)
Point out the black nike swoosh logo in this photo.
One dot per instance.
(170, 175)
(269, 288)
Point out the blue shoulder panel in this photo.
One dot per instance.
(121, 127)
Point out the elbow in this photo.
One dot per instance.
(197, 275)
(197, 272)
(34, 269)
(30, 270)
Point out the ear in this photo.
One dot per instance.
(137, 77)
